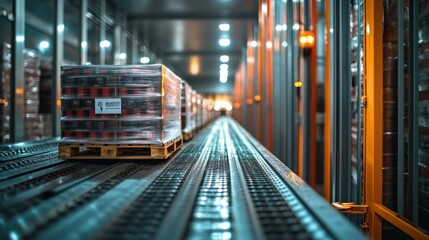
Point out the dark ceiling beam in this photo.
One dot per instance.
(193, 16)
(201, 53)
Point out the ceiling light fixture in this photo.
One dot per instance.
(224, 27)
(224, 42)
(224, 58)
(224, 66)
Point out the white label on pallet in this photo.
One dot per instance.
(108, 106)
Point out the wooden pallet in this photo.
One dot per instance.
(118, 151)
(187, 136)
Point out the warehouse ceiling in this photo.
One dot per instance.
(185, 34)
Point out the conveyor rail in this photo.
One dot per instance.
(222, 185)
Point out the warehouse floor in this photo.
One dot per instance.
(221, 185)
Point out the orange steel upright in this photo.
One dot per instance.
(373, 124)
(313, 112)
(327, 127)
(268, 69)
(260, 62)
(250, 77)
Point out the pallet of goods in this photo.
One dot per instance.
(120, 112)
(188, 117)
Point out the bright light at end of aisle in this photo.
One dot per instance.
(224, 27)
(224, 42)
(144, 60)
(223, 105)
(224, 58)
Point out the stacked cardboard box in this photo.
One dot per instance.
(134, 104)
(32, 127)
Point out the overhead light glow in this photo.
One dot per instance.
(295, 26)
(284, 27)
(269, 44)
(224, 42)
(194, 65)
(224, 66)
(60, 27)
(224, 27)
(284, 44)
(20, 38)
(44, 45)
(224, 58)
(123, 56)
(264, 8)
(84, 44)
(144, 60)
(253, 43)
(279, 27)
(105, 44)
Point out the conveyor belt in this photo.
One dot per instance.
(222, 185)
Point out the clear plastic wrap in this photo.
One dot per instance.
(128, 104)
(31, 93)
(199, 113)
(205, 112)
(188, 117)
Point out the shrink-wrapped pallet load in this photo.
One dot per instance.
(188, 116)
(134, 104)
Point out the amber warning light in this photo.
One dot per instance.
(306, 39)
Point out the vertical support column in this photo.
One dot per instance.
(135, 46)
(373, 122)
(124, 37)
(333, 31)
(344, 94)
(117, 39)
(244, 106)
(413, 182)
(102, 30)
(17, 101)
(359, 106)
(58, 60)
(83, 36)
(291, 131)
(327, 129)
(400, 199)
(306, 102)
(256, 87)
